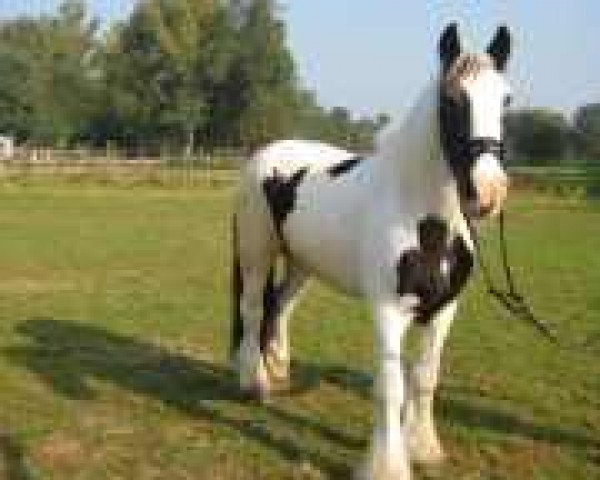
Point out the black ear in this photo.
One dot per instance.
(499, 48)
(449, 46)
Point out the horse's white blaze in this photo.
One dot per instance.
(486, 92)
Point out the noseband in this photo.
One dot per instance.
(477, 146)
(455, 135)
(463, 153)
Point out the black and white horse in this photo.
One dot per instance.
(392, 228)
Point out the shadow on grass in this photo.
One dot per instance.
(359, 382)
(457, 406)
(68, 354)
(13, 464)
(473, 412)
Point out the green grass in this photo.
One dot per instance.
(113, 340)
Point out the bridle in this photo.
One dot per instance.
(463, 150)
(474, 147)
(459, 147)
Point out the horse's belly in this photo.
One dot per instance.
(327, 246)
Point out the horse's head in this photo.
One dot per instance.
(473, 94)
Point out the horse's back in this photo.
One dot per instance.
(288, 156)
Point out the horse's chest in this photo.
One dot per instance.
(435, 271)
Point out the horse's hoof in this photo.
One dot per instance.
(281, 387)
(256, 393)
(277, 367)
(378, 470)
(429, 454)
(280, 376)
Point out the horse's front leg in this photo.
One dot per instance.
(390, 460)
(424, 444)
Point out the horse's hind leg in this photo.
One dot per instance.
(255, 257)
(276, 347)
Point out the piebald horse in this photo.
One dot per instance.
(393, 228)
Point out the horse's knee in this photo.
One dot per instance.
(423, 379)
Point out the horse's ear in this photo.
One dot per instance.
(499, 48)
(449, 46)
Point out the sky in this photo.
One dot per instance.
(375, 56)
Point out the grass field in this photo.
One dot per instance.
(113, 340)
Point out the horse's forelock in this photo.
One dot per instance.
(466, 67)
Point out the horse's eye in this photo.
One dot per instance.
(507, 100)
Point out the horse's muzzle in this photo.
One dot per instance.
(489, 199)
(491, 187)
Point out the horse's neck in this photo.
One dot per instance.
(411, 162)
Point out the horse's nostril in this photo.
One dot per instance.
(475, 209)
(485, 210)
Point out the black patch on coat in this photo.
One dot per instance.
(344, 166)
(280, 193)
(419, 269)
(455, 135)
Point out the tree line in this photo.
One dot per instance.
(177, 75)
(539, 136)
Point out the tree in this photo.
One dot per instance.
(16, 103)
(46, 88)
(174, 73)
(537, 136)
(163, 66)
(587, 130)
(260, 95)
(188, 33)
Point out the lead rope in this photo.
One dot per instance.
(509, 298)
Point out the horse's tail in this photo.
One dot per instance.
(270, 310)
(237, 323)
